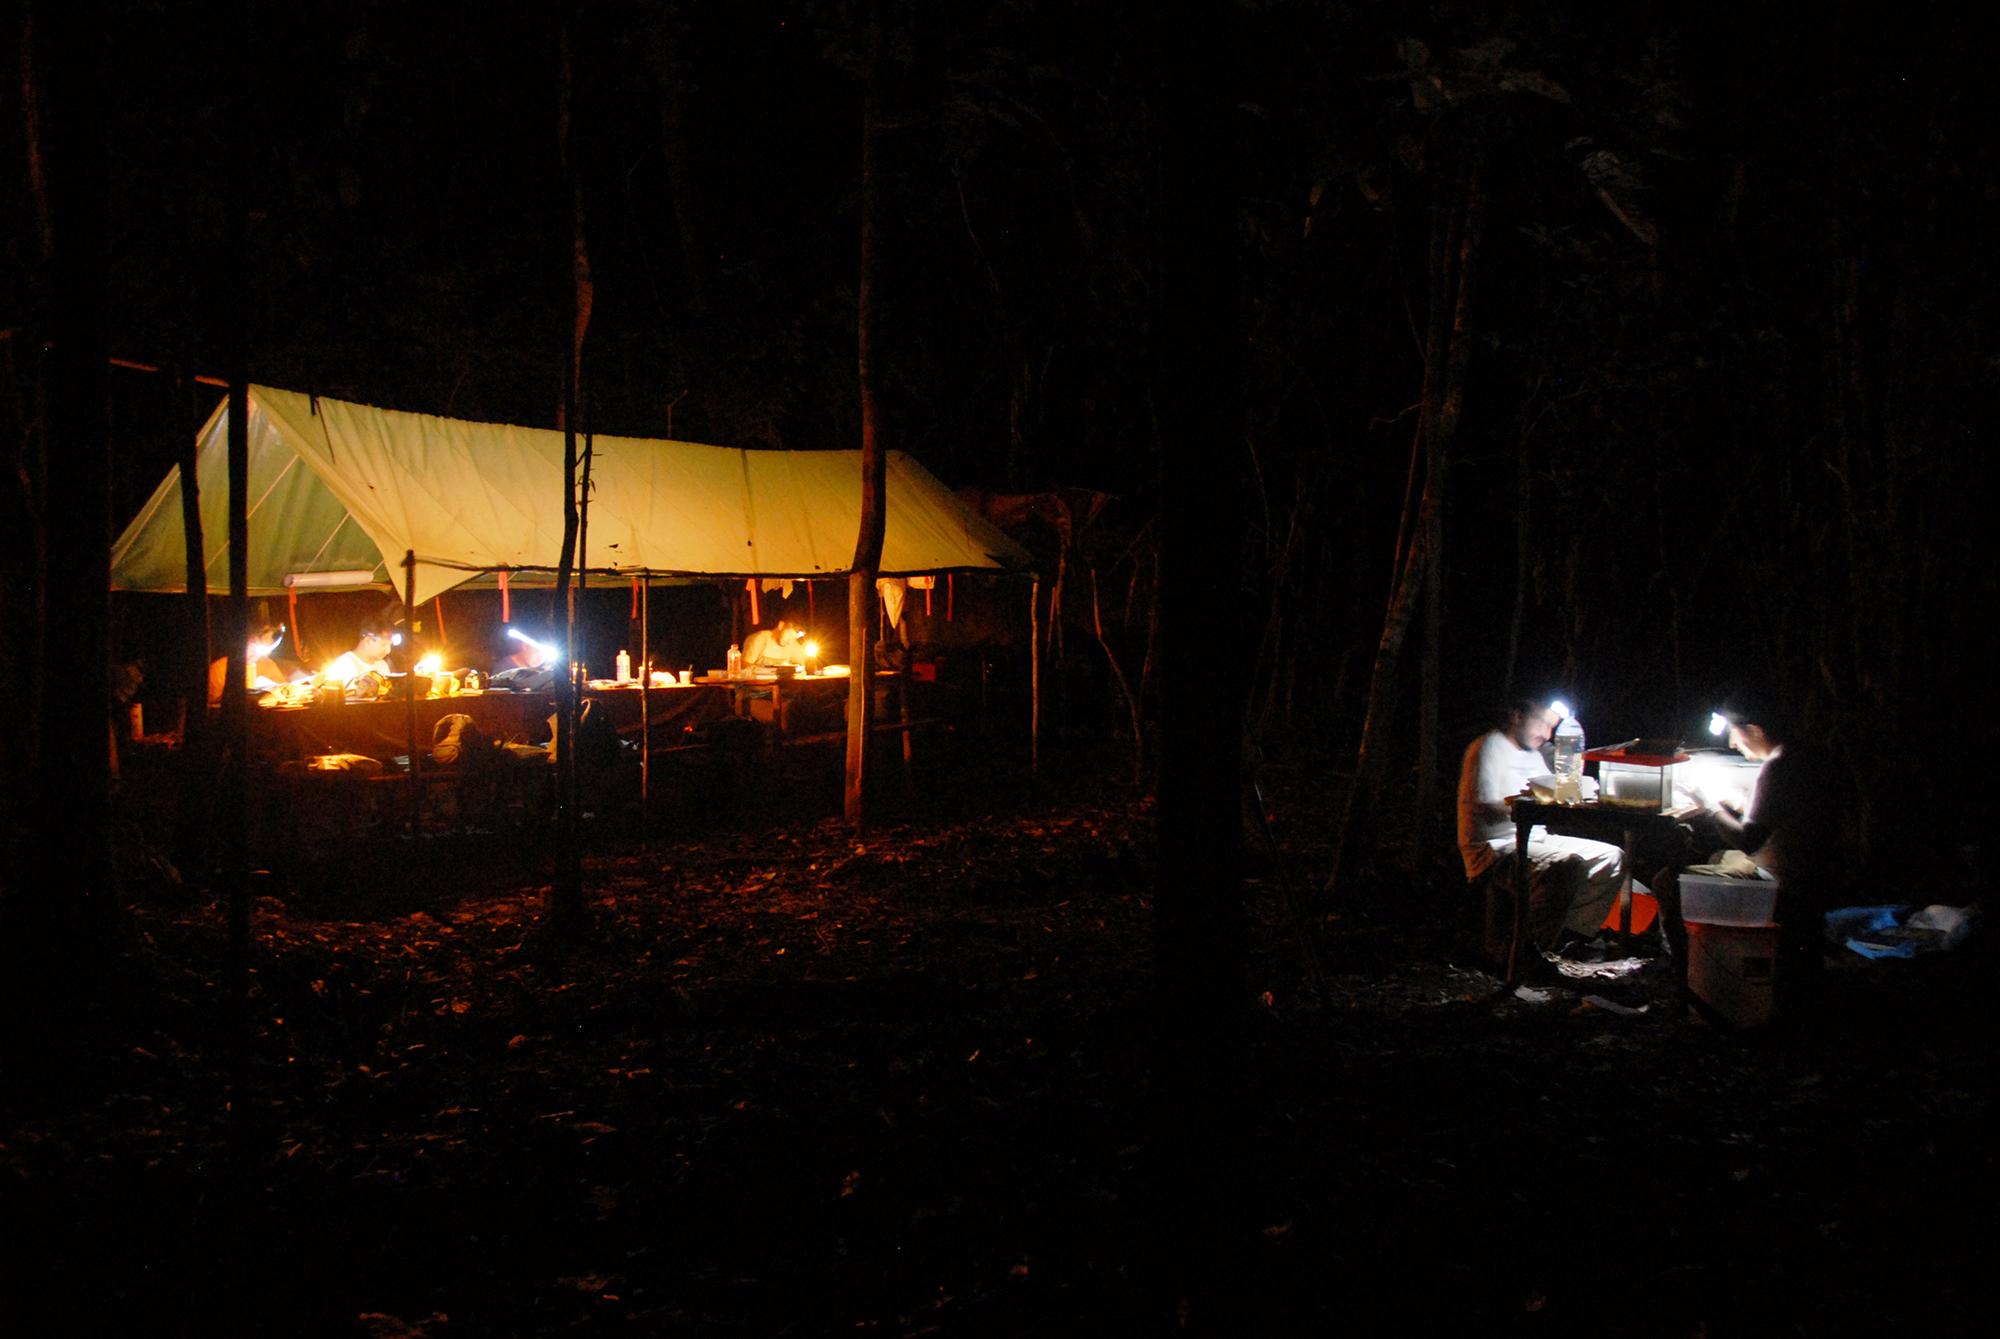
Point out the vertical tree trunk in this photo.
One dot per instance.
(1198, 925)
(1356, 827)
(48, 920)
(1455, 236)
(861, 595)
(235, 770)
(566, 890)
(1524, 483)
(1035, 675)
(1124, 687)
(197, 737)
(1423, 826)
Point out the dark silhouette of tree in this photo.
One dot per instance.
(58, 889)
(868, 543)
(566, 891)
(1198, 909)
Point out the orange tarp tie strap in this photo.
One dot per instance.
(439, 604)
(755, 617)
(809, 603)
(635, 597)
(292, 618)
(947, 597)
(506, 605)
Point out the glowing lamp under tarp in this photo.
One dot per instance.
(544, 655)
(326, 580)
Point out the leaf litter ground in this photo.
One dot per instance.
(797, 1082)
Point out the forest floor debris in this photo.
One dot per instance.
(796, 1081)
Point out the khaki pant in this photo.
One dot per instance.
(1572, 885)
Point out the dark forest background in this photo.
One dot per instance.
(1697, 318)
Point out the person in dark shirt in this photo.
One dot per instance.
(1793, 823)
(1794, 828)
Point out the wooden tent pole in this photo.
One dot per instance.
(645, 710)
(410, 693)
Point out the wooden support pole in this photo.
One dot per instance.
(645, 709)
(410, 694)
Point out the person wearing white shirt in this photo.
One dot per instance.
(1572, 881)
(370, 655)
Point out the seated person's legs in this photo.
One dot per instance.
(1552, 888)
(1573, 886)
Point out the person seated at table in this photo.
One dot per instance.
(780, 644)
(1572, 881)
(261, 670)
(1793, 830)
(369, 656)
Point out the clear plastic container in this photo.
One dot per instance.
(1568, 761)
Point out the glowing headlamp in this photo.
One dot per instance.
(1718, 724)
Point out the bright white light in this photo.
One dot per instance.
(395, 639)
(1560, 708)
(431, 664)
(544, 655)
(315, 580)
(1718, 725)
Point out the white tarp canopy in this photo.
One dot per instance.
(343, 487)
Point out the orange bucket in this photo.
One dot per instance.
(1644, 908)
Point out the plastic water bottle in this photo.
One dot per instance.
(624, 667)
(1569, 761)
(735, 662)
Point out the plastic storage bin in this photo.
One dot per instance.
(1711, 900)
(1632, 786)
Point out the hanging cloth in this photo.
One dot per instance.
(891, 590)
